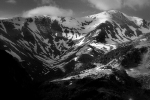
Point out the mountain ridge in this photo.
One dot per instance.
(56, 41)
(102, 56)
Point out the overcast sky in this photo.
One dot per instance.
(75, 8)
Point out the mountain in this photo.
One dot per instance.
(105, 55)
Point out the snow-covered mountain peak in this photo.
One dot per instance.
(119, 17)
(55, 41)
(107, 14)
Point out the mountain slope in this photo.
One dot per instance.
(50, 47)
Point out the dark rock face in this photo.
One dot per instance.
(16, 82)
(133, 58)
(113, 87)
(92, 58)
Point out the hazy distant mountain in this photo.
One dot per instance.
(105, 56)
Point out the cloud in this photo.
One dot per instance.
(105, 4)
(47, 7)
(1, 18)
(7, 14)
(48, 10)
(50, 2)
(118, 4)
(11, 1)
(45, 2)
(136, 3)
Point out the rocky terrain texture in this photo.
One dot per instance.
(105, 56)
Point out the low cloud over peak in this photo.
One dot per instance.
(45, 2)
(47, 7)
(11, 1)
(118, 4)
(48, 10)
